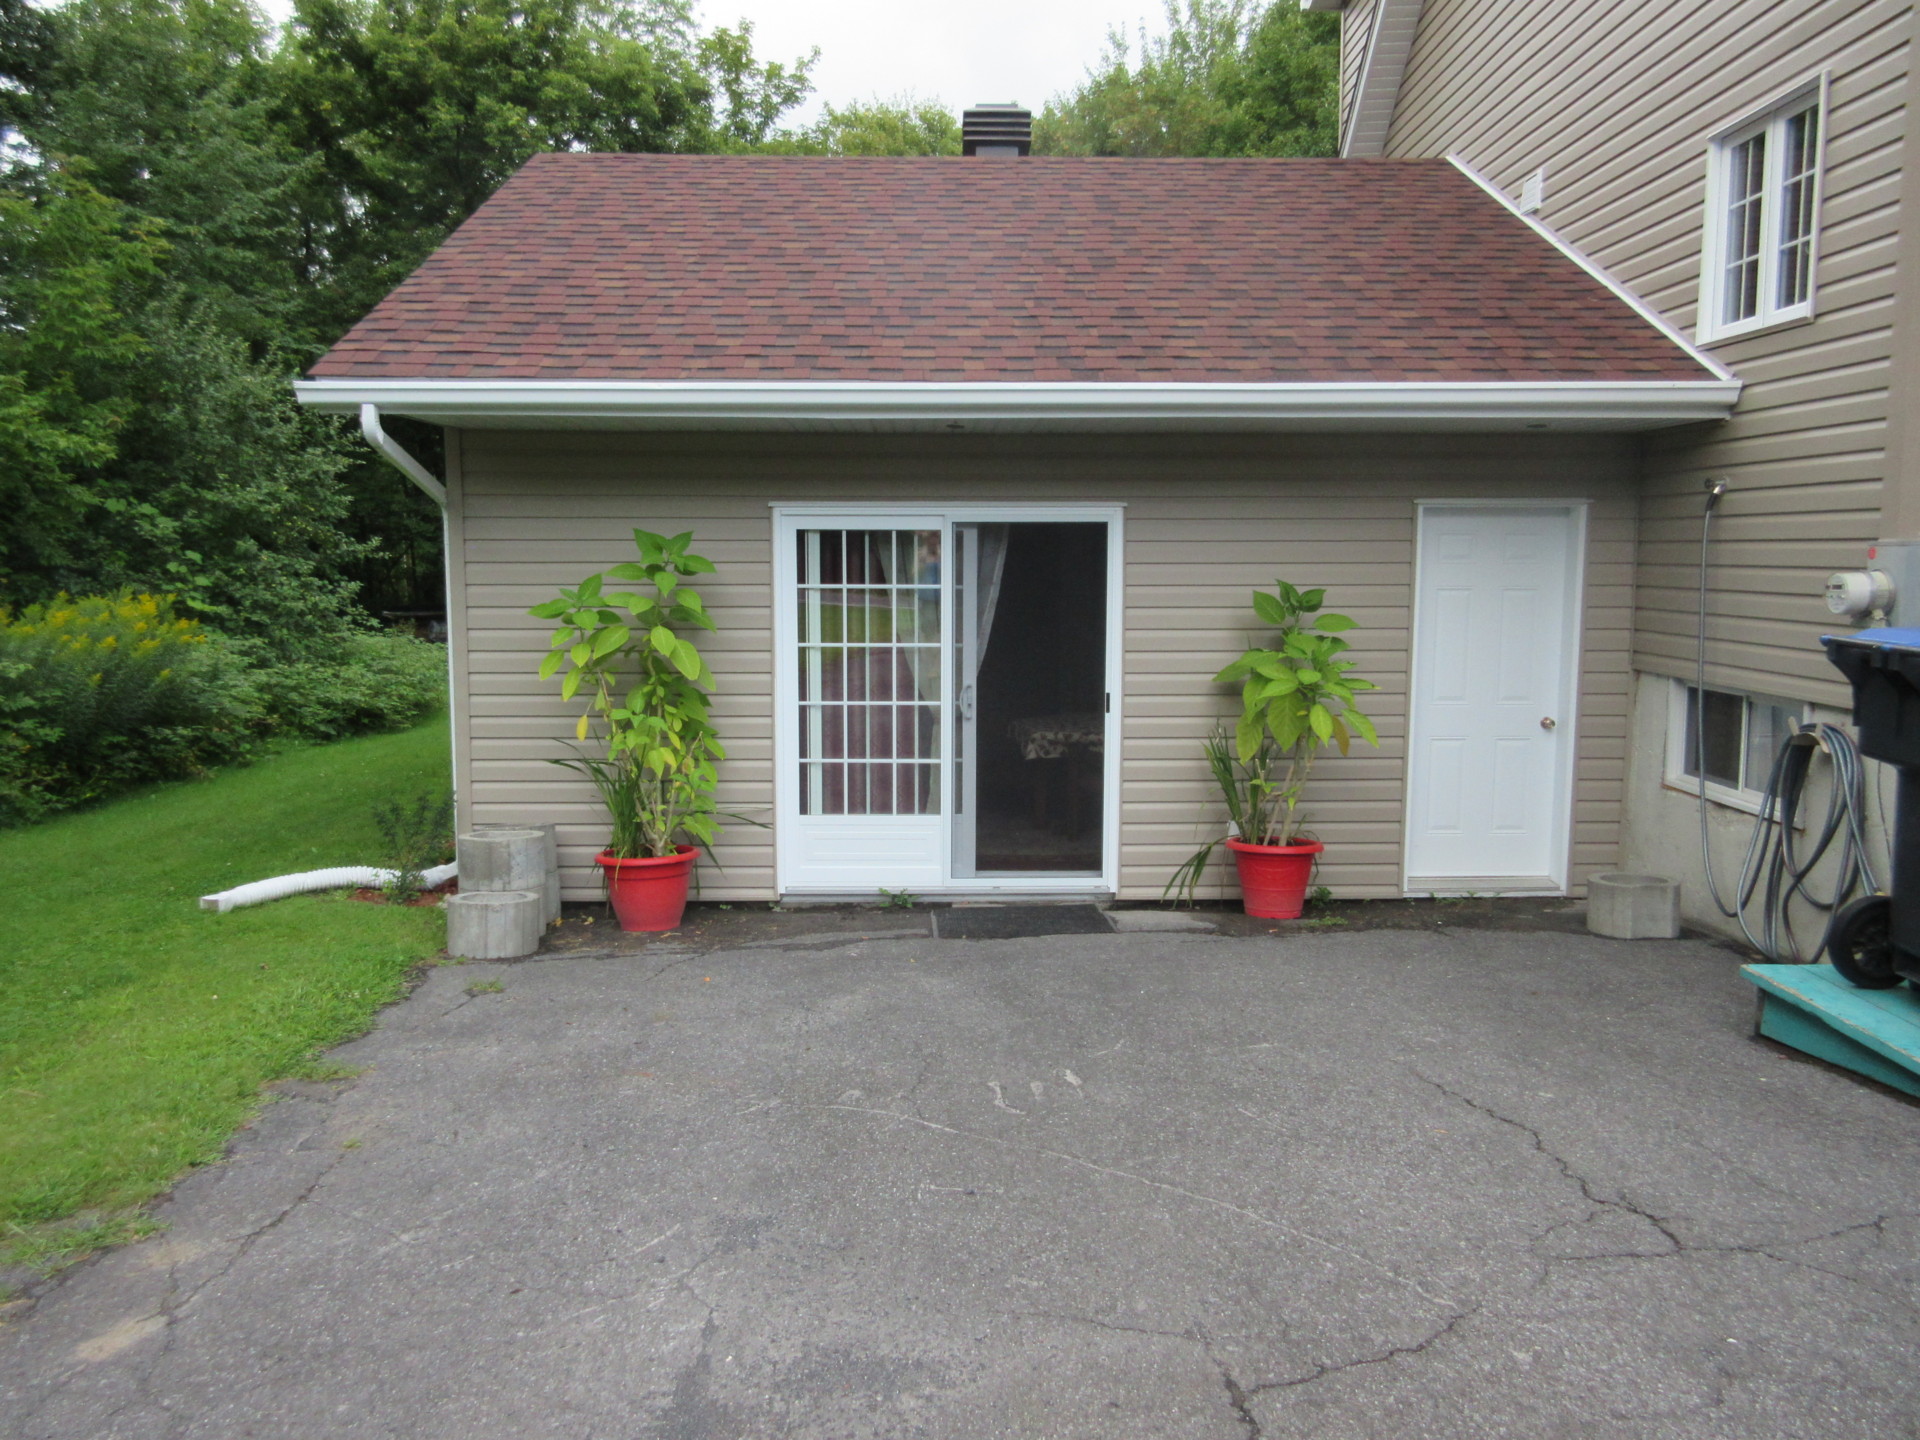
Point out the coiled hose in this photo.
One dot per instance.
(1780, 861)
(1778, 866)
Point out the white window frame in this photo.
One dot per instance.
(1770, 120)
(1744, 798)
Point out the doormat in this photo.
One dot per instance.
(1017, 922)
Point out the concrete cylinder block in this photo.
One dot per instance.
(1633, 907)
(553, 859)
(495, 924)
(504, 859)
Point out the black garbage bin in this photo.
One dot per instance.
(1875, 940)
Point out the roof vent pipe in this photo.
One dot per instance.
(996, 130)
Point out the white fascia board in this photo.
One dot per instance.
(1068, 405)
(1599, 272)
(1390, 37)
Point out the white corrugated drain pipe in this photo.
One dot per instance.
(342, 877)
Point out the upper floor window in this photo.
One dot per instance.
(1763, 197)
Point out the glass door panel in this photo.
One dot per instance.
(870, 643)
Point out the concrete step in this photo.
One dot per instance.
(1875, 1033)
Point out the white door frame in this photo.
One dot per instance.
(1569, 701)
(788, 520)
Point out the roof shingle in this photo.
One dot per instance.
(664, 267)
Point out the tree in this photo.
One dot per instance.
(1225, 79)
(26, 49)
(900, 126)
(163, 106)
(73, 265)
(417, 110)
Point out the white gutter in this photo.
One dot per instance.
(1066, 405)
(389, 447)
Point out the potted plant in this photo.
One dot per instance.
(646, 687)
(1296, 698)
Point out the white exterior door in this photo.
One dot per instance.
(863, 642)
(1491, 742)
(879, 627)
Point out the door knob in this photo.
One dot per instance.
(1548, 723)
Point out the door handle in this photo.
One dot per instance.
(1548, 722)
(966, 702)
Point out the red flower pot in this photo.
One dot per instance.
(1273, 878)
(649, 894)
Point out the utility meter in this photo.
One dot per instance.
(1859, 592)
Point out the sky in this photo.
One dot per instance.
(1026, 51)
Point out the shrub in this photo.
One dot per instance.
(378, 682)
(104, 692)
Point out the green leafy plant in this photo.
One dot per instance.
(646, 689)
(1296, 698)
(414, 834)
(897, 899)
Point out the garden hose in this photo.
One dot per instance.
(1778, 866)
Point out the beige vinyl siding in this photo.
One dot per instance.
(1207, 520)
(1619, 101)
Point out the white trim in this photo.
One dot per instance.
(786, 404)
(1572, 662)
(1708, 328)
(1639, 307)
(787, 521)
(1394, 26)
(1673, 773)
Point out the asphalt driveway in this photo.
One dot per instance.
(1328, 1185)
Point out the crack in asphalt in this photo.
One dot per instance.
(1675, 1243)
(1676, 1246)
(1241, 1397)
(1166, 1186)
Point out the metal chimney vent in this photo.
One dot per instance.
(996, 130)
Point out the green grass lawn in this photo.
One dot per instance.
(135, 1029)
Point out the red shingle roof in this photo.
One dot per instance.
(663, 267)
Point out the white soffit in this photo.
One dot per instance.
(1390, 35)
(1065, 406)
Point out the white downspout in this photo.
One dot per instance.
(419, 474)
(400, 459)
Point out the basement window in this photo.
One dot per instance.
(1763, 209)
(1742, 736)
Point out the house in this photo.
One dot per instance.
(1737, 167)
(1028, 432)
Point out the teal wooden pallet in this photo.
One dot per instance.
(1875, 1033)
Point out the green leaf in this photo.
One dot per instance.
(1340, 737)
(1335, 622)
(1320, 719)
(663, 640)
(1246, 738)
(570, 686)
(550, 610)
(688, 661)
(1363, 727)
(611, 639)
(1268, 608)
(667, 581)
(1312, 600)
(554, 660)
(580, 654)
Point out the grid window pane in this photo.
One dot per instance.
(1746, 190)
(1769, 723)
(1723, 736)
(1801, 146)
(869, 635)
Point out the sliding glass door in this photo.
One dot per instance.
(943, 700)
